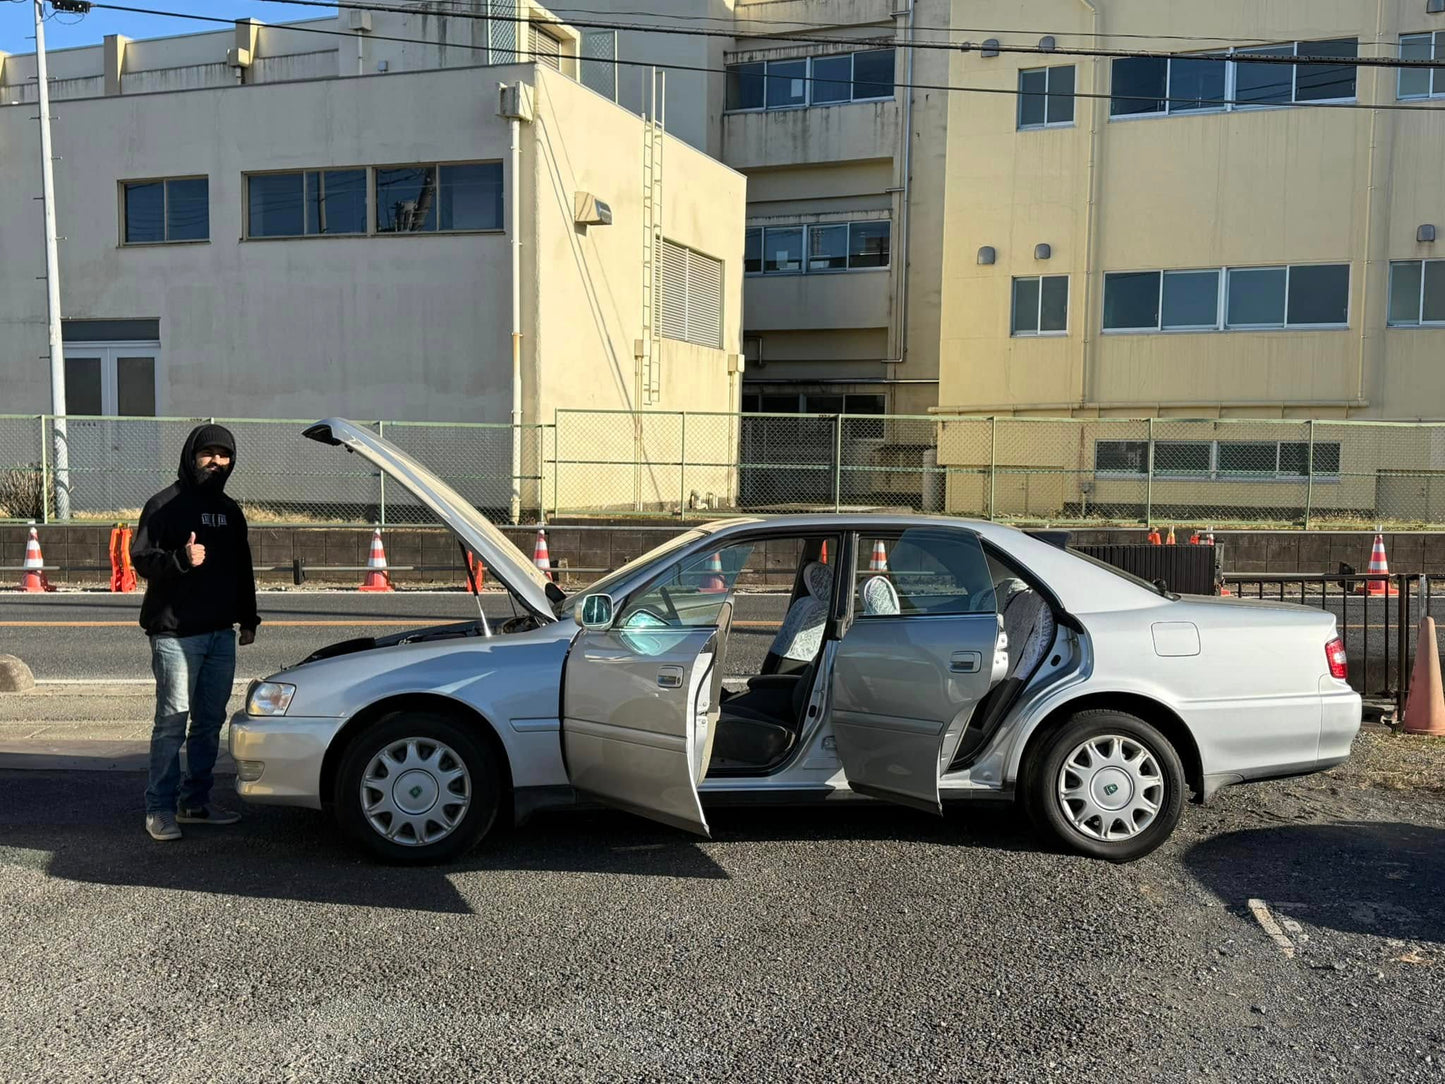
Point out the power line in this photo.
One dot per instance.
(881, 42)
(669, 66)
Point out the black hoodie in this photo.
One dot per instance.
(181, 600)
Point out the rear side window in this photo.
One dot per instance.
(921, 572)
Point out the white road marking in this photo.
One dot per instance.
(1266, 921)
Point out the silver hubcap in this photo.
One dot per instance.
(1111, 788)
(415, 791)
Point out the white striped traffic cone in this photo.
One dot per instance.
(713, 583)
(33, 576)
(1379, 565)
(540, 557)
(377, 576)
(879, 561)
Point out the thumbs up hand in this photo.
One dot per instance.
(195, 552)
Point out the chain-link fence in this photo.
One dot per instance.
(1095, 471)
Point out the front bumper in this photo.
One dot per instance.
(283, 757)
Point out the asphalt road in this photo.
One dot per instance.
(95, 636)
(863, 943)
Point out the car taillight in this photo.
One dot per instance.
(1335, 655)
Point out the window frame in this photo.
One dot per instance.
(810, 79)
(807, 230)
(1231, 77)
(1048, 93)
(1222, 323)
(1215, 473)
(1037, 332)
(716, 333)
(366, 231)
(1419, 321)
(1436, 39)
(373, 170)
(125, 184)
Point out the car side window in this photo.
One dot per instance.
(690, 595)
(922, 571)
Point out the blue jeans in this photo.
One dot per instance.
(193, 677)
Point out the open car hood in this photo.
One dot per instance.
(503, 559)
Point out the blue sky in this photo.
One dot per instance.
(17, 30)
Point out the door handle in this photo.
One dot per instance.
(670, 677)
(965, 662)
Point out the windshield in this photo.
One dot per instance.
(1153, 589)
(606, 583)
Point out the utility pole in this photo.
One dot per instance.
(52, 277)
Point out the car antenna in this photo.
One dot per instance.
(472, 586)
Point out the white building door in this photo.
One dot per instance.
(115, 456)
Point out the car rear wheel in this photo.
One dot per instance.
(417, 787)
(1107, 785)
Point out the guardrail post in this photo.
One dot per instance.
(1310, 476)
(838, 463)
(992, 464)
(1402, 669)
(381, 432)
(44, 473)
(1149, 479)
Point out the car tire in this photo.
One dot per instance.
(1107, 785)
(418, 788)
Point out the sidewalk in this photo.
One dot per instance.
(96, 726)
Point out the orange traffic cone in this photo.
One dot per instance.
(713, 583)
(476, 573)
(1169, 541)
(1153, 538)
(879, 561)
(1194, 538)
(1425, 708)
(540, 557)
(377, 576)
(33, 576)
(1378, 565)
(824, 555)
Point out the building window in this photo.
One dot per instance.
(1417, 293)
(1046, 97)
(690, 306)
(166, 211)
(1218, 460)
(313, 203)
(545, 48)
(1041, 305)
(1253, 298)
(829, 246)
(1422, 82)
(1155, 86)
(820, 80)
(432, 199)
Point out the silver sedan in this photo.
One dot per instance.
(921, 660)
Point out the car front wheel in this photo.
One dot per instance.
(417, 788)
(1107, 785)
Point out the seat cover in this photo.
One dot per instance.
(801, 634)
(880, 597)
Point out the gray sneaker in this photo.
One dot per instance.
(162, 826)
(207, 814)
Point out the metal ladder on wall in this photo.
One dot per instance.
(649, 381)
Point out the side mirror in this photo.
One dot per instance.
(595, 612)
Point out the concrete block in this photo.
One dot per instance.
(1314, 553)
(1433, 553)
(1404, 552)
(15, 676)
(1282, 553)
(1251, 553)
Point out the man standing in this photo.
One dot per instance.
(191, 548)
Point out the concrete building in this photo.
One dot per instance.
(320, 218)
(1208, 235)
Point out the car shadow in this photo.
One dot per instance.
(1383, 879)
(85, 826)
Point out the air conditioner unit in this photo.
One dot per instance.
(360, 21)
(238, 58)
(591, 211)
(515, 101)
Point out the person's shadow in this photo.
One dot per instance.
(86, 826)
(1376, 878)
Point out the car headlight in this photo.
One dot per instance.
(269, 698)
